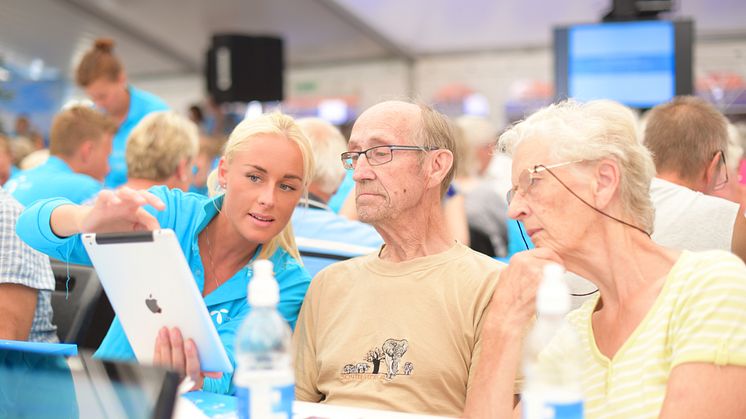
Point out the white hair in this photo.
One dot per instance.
(735, 150)
(328, 144)
(591, 131)
(476, 132)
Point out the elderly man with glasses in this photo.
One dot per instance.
(398, 329)
(687, 137)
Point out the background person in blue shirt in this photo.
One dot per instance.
(79, 148)
(313, 218)
(104, 80)
(265, 170)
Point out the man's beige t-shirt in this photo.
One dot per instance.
(397, 336)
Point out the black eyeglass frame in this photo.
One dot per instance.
(353, 156)
(724, 168)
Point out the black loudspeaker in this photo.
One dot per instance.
(243, 68)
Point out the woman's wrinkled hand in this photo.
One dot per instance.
(514, 299)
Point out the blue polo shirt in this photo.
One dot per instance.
(187, 214)
(52, 179)
(141, 104)
(345, 188)
(324, 224)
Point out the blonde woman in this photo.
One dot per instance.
(266, 168)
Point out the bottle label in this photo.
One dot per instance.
(265, 401)
(539, 408)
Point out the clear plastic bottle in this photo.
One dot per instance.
(264, 377)
(552, 390)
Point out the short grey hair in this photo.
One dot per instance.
(591, 131)
(328, 144)
(476, 132)
(436, 131)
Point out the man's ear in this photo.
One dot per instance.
(606, 185)
(441, 162)
(85, 150)
(710, 175)
(182, 169)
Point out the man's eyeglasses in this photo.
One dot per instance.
(527, 177)
(723, 170)
(378, 155)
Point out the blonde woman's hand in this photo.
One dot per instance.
(121, 210)
(172, 351)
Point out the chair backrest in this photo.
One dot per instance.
(318, 254)
(74, 300)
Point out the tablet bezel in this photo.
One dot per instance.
(130, 267)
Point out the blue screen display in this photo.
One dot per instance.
(631, 62)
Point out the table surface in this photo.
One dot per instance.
(219, 406)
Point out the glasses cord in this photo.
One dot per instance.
(594, 208)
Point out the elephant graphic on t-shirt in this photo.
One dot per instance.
(393, 349)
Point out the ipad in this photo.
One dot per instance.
(149, 284)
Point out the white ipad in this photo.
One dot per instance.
(149, 284)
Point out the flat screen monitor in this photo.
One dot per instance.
(639, 63)
(39, 385)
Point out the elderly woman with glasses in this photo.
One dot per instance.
(666, 334)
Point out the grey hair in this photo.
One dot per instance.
(327, 144)
(592, 131)
(436, 131)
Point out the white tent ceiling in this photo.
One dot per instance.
(165, 37)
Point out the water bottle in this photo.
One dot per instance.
(552, 386)
(264, 378)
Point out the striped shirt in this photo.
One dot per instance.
(20, 264)
(699, 316)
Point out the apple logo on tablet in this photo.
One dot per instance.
(152, 304)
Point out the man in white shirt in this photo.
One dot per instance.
(688, 138)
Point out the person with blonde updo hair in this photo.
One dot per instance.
(102, 76)
(266, 168)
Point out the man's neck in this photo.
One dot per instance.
(74, 163)
(423, 235)
(674, 178)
